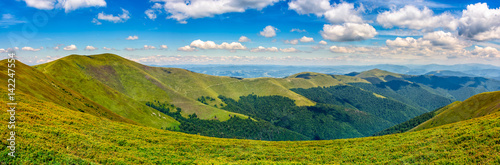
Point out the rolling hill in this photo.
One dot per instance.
(50, 133)
(125, 87)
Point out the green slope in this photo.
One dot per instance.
(76, 75)
(41, 86)
(49, 133)
(476, 106)
(182, 88)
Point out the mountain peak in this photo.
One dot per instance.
(377, 73)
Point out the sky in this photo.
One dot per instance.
(291, 32)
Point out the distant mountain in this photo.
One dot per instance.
(449, 73)
(279, 71)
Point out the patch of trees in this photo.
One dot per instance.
(408, 125)
(235, 127)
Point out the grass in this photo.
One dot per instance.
(476, 106)
(48, 133)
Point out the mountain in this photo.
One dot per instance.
(53, 134)
(449, 73)
(177, 99)
(35, 83)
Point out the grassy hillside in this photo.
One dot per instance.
(74, 75)
(41, 86)
(49, 133)
(114, 75)
(476, 106)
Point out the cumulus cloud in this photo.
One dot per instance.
(485, 52)
(90, 48)
(264, 49)
(186, 48)
(293, 42)
(344, 13)
(298, 30)
(269, 31)
(115, 19)
(445, 40)
(408, 42)
(27, 48)
(67, 5)
(3, 50)
(163, 47)
(70, 47)
(480, 23)
(106, 48)
(433, 40)
(212, 45)
(413, 18)
(132, 38)
(317, 7)
(129, 49)
(348, 32)
(337, 49)
(306, 39)
(183, 10)
(322, 42)
(149, 47)
(289, 50)
(244, 39)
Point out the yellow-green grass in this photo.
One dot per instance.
(33, 82)
(71, 75)
(51, 134)
(476, 106)
(381, 74)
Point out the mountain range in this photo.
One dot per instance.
(113, 104)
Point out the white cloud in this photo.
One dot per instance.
(269, 31)
(129, 49)
(317, 7)
(485, 52)
(182, 10)
(212, 45)
(341, 49)
(445, 40)
(322, 42)
(306, 39)
(264, 49)
(408, 42)
(186, 48)
(344, 13)
(9, 19)
(348, 32)
(298, 30)
(413, 18)
(3, 50)
(90, 48)
(67, 5)
(293, 42)
(70, 47)
(26, 48)
(149, 47)
(115, 19)
(289, 50)
(95, 21)
(244, 39)
(132, 38)
(163, 47)
(151, 14)
(105, 48)
(480, 23)
(432, 41)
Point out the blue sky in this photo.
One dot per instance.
(293, 32)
